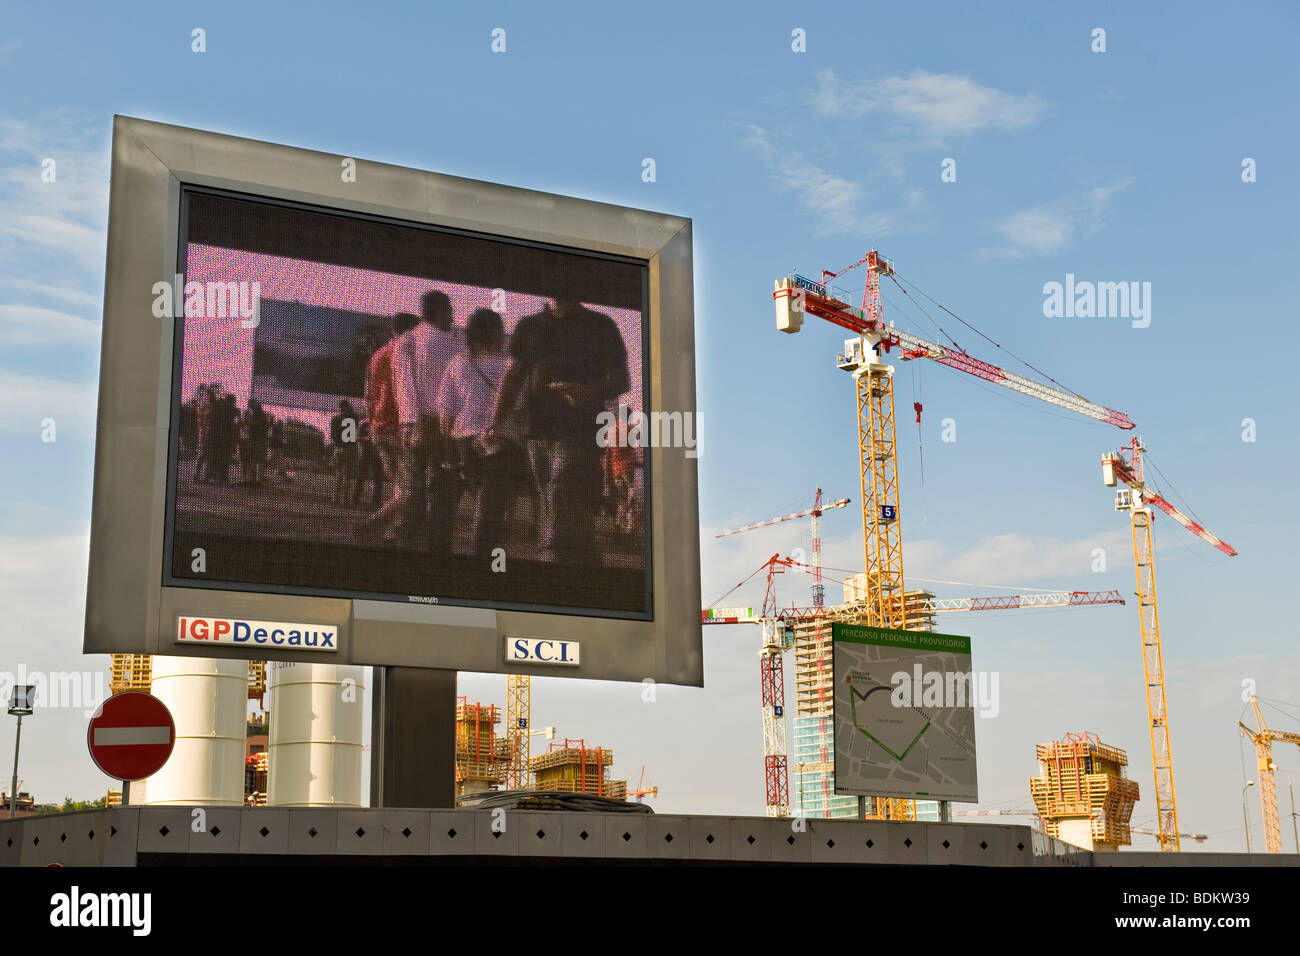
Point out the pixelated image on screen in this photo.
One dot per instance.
(411, 415)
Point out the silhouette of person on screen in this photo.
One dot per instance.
(426, 464)
(568, 362)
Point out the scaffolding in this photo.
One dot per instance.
(135, 672)
(130, 672)
(482, 756)
(256, 769)
(573, 767)
(256, 680)
(1083, 795)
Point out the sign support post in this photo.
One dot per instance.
(413, 738)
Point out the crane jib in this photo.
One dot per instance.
(814, 298)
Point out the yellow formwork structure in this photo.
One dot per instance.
(482, 755)
(135, 672)
(574, 767)
(130, 672)
(1084, 779)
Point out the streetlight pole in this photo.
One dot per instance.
(1245, 819)
(13, 786)
(20, 704)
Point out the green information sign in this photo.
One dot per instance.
(904, 713)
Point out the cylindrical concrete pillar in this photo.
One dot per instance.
(314, 743)
(208, 700)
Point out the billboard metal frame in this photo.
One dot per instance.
(128, 608)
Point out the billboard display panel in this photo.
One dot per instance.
(904, 713)
(410, 414)
(392, 413)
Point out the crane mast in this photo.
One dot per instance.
(1263, 740)
(882, 529)
(776, 774)
(518, 707)
(1137, 499)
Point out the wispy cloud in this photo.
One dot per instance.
(1050, 228)
(64, 219)
(838, 204)
(33, 325)
(28, 399)
(52, 238)
(927, 108)
(1013, 559)
(73, 295)
(930, 104)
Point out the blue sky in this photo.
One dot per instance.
(1117, 166)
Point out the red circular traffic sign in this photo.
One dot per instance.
(131, 735)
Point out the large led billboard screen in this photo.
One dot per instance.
(392, 407)
(412, 414)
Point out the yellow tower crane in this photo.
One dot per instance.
(518, 712)
(1126, 467)
(1263, 739)
(865, 357)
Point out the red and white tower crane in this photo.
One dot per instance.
(771, 670)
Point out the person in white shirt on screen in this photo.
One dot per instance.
(466, 403)
(426, 473)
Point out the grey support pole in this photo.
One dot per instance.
(413, 738)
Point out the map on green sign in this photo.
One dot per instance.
(904, 714)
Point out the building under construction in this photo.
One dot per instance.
(574, 767)
(814, 735)
(135, 672)
(1083, 795)
(482, 755)
(130, 672)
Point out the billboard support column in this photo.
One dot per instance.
(413, 738)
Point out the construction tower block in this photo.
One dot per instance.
(1083, 795)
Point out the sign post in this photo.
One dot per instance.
(130, 737)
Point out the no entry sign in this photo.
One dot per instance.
(131, 735)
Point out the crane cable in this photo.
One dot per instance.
(918, 393)
(996, 345)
